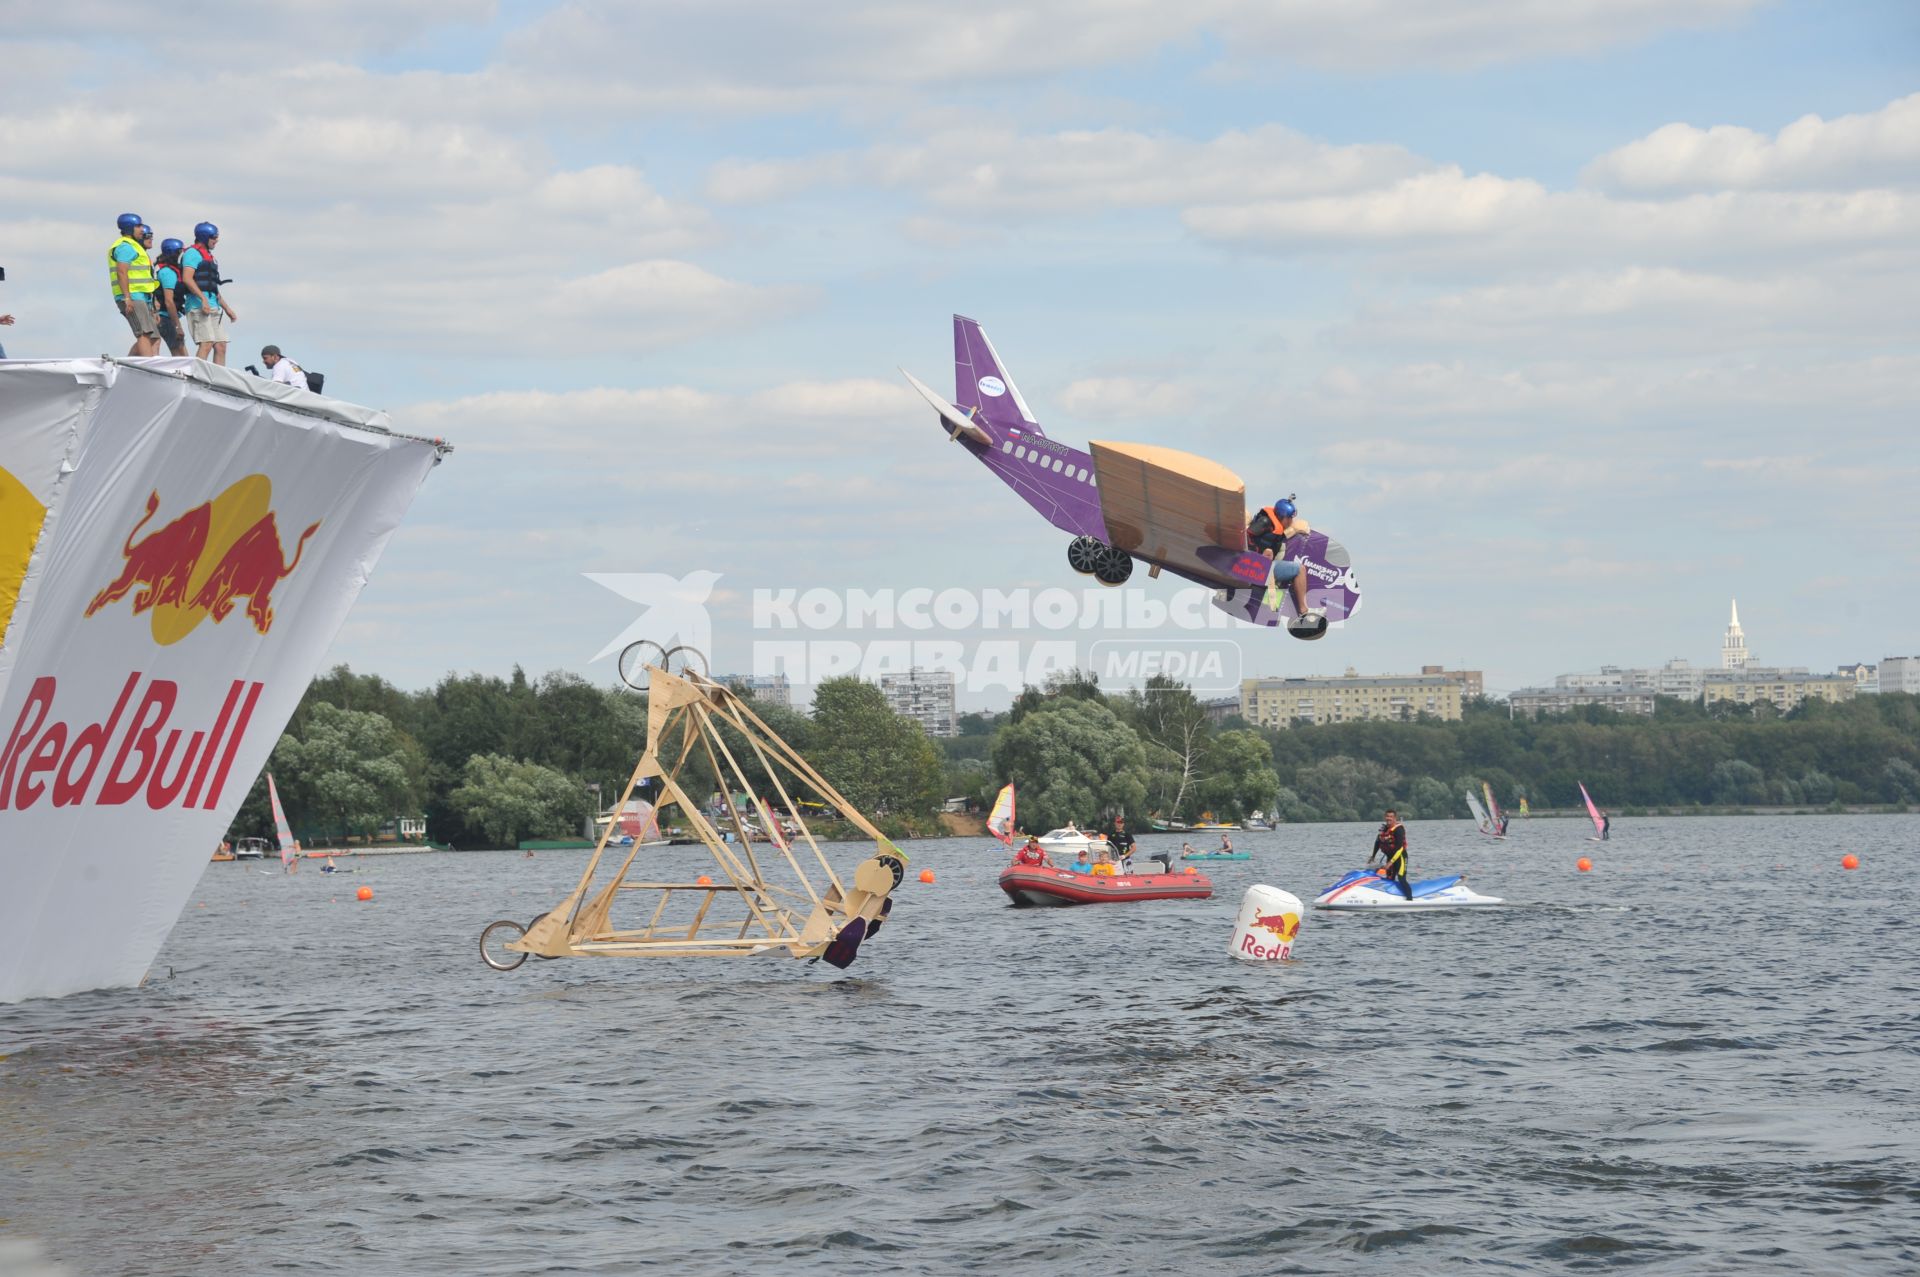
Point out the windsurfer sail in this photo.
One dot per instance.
(1480, 814)
(1493, 809)
(1599, 821)
(1000, 822)
(289, 849)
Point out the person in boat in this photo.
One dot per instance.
(1080, 865)
(1390, 846)
(1103, 866)
(1033, 854)
(1121, 843)
(329, 867)
(1267, 534)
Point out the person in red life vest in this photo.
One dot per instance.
(1267, 534)
(1032, 854)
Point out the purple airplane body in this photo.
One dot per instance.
(990, 418)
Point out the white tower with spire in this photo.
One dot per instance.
(1733, 648)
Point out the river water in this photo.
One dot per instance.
(1701, 1057)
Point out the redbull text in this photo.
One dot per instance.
(142, 756)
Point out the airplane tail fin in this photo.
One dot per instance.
(981, 381)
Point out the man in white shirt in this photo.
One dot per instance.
(282, 369)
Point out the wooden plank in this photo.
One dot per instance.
(1164, 506)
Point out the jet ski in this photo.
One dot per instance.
(1366, 889)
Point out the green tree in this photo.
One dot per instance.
(1073, 759)
(1173, 724)
(1738, 781)
(508, 799)
(1239, 775)
(352, 771)
(880, 761)
(1343, 788)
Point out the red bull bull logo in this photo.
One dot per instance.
(1283, 927)
(200, 563)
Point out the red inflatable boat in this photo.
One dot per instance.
(1045, 885)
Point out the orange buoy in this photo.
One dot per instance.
(703, 881)
(926, 875)
(1191, 871)
(1583, 864)
(365, 893)
(1849, 861)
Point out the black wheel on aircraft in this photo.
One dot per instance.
(1114, 567)
(494, 941)
(1083, 554)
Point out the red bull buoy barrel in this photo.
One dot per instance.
(1268, 924)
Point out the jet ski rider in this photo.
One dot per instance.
(1267, 534)
(1390, 844)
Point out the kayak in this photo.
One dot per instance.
(1221, 855)
(1045, 885)
(1364, 889)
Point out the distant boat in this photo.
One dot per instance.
(1160, 826)
(1599, 821)
(250, 849)
(1207, 821)
(289, 849)
(1487, 826)
(1000, 820)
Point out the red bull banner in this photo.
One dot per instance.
(195, 539)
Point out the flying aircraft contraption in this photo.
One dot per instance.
(772, 892)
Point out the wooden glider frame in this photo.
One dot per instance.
(781, 905)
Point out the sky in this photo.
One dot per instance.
(1573, 321)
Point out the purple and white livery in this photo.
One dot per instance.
(1121, 502)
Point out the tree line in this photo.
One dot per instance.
(489, 760)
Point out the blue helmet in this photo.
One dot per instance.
(1285, 508)
(171, 245)
(205, 231)
(129, 222)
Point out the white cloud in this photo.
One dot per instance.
(1123, 399)
(1874, 148)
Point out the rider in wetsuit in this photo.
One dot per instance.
(1390, 844)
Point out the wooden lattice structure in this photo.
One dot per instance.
(772, 891)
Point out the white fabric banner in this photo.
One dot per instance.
(196, 563)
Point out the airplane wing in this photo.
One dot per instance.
(1175, 509)
(956, 421)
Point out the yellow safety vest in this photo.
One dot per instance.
(139, 270)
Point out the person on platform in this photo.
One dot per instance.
(166, 269)
(1122, 844)
(130, 273)
(282, 369)
(1226, 844)
(1267, 534)
(207, 311)
(1188, 851)
(1390, 846)
(1606, 827)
